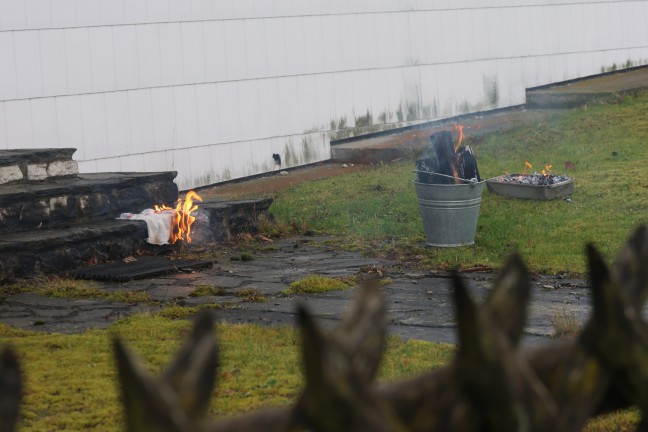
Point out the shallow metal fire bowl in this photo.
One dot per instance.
(527, 191)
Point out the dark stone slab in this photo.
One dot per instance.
(265, 288)
(93, 315)
(419, 304)
(34, 156)
(11, 311)
(55, 313)
(220, 220)
(64, 315)
(239, 316)
(36, 301)
(221, 281)
(143, 267)
(170, 292)
(211, 300)
(56, 251)
(59, 203)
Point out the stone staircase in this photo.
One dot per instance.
(53, 219)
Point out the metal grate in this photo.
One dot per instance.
(144, 267)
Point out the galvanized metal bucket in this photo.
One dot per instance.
(449, 212)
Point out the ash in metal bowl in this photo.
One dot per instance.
(531, 186)
(535, 179)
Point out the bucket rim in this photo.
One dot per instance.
(470, 184)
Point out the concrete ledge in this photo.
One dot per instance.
(603, 88)
(34, 165)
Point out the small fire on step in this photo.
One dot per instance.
(445, 162)
(167, 224)
(182, 217)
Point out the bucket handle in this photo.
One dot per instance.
(472, 180)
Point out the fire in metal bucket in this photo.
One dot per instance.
(447, 162)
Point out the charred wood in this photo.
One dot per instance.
(445, 163)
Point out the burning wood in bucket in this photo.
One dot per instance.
(445, 162)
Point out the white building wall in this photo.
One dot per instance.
(212, 88)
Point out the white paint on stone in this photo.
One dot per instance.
(36, 172)
(58, 202)
(10, 173)
(84, 202)
(62, 168)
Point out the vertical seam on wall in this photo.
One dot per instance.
(92, 77)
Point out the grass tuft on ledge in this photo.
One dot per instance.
(64, 287)
(314, 284)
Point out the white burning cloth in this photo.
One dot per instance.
(157, 223)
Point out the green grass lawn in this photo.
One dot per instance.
(376, 209)
(71, 379)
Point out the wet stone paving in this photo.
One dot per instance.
(419, 303)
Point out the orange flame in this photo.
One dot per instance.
(546, 171)
(461, 135)
(182, 218)
(527, 166)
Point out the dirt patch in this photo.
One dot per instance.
(269, 183)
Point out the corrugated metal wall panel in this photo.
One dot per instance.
(140, 108)
(44, 115)
(69, 122)
(3, 128)
(20, 131)
(8, 83)
(220, 85)
(118, 135)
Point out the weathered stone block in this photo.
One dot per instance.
(63, 168)
(64, 207)
(163, 192)
(34, 213)
(10, 173)
(219, 221)
(134, 199)
(37, 172)
(94, 206)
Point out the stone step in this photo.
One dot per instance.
(58, 250)
(63, 202)
(35, 165)
(218, 221)
(25, 254)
